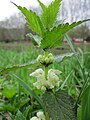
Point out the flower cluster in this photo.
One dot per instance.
(51, 82)
(40, 116)
(46, 60)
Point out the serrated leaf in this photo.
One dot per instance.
(60, 22)
(59, 105)
(49, 15)
(52, 37)
(19, 116)
(42, 5)
(16, 67)
(32, 19)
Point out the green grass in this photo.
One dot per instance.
(14, 54)
(19, 53)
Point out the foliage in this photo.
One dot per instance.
(59, 105)
(48, 91)
(19, 116)
(87, 38)
(45, 27)
(86, 105)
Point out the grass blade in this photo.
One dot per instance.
(28, 89)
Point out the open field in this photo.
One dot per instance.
(14, 54)
(19, 46)
(18, 53)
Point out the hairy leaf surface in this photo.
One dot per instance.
(52, 37)
(32, 19)
(49, 15)
(59, 105)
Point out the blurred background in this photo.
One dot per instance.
(17, 49)
(13, 26)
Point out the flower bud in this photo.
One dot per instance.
(39, 58)
(50, 55)
(46, 60)
(51, 58)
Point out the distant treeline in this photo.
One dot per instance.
(15, 29)
(12, 34)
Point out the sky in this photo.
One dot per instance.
(7, 8)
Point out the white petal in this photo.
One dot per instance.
(40, 115)
(37, 72)
(34, 118)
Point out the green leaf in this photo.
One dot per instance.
(32, 19)
(35, 38)
(86, 104)
(59, 105)
(22, 102)
(9, 91)
(66, 79)
(19, 116)
(62, 57)
(79, 112)
(16, 67)
(51, 38)
(6, 107)
(26, 112)
(42, 5)
(30, 91)
(49, 15)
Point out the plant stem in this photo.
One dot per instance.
(46, 67)
(46, 72)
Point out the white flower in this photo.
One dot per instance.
(38, 72)
(43, 88)
(41, 115)
(34, 118)
(51, 82)
(57, 72)
(53, 79)
(38, 86)
(41, 81)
